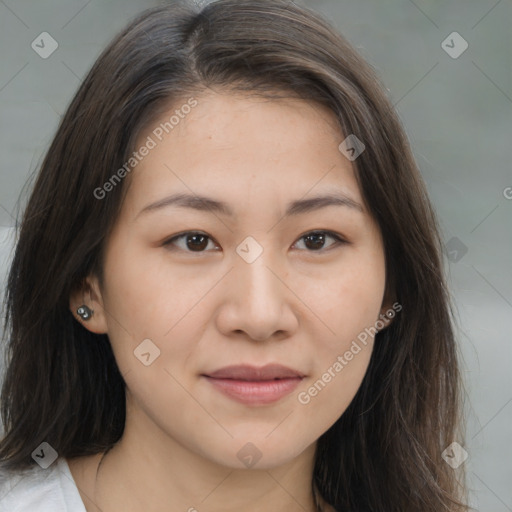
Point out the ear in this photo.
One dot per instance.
(388, 310)
(89, 294)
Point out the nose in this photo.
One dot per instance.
(257, 301)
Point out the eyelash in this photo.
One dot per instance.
(338, 240)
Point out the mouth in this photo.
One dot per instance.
(255, 386)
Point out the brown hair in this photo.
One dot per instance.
(62, 383)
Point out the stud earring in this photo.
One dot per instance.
(84, 312)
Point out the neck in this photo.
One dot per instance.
(176, 478)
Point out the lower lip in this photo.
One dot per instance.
(256, 392)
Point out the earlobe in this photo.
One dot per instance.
(86, 306)
(84, 312)
(387, 315)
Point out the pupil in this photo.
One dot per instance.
(318, 240)
(195, 246)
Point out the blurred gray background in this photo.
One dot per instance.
(454, 95)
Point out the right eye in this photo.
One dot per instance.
(189, 241)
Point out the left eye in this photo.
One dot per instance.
(198, 242)
(316, 240)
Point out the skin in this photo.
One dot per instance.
(206, 310)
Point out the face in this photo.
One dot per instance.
(238, 323)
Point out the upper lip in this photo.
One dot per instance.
(253, 373)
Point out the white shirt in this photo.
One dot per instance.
(40, 490)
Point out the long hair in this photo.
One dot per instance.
(62, 384)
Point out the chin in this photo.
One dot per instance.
(256, 452)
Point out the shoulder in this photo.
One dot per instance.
(40, 490)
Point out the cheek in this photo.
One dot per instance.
(142, 290)
(350, 306)
(329, 393)
(350, 300)
(148, 299)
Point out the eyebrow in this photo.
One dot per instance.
(297, 207)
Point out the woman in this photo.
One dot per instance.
(227, 292)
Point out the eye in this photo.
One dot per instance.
(315, 240)
(193, 241)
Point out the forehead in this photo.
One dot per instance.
(241, 146)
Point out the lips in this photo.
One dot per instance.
(252, 373)
(255, 386)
